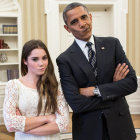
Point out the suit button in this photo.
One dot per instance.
(107, 113)
(121, 113)
(108, 97)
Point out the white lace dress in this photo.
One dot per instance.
(17, 94)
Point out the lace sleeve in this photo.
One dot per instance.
(62, 115)
(12, 121)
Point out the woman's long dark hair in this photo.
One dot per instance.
(47, 84)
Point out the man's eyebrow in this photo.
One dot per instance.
(85, 15)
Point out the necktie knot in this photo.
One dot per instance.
(89, 44)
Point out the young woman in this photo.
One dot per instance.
(34, 105)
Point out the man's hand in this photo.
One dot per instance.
(120, 72)
(87, 91)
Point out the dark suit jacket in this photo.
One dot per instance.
(76, 72)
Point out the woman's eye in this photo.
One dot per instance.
(34, 59)
(45, 57)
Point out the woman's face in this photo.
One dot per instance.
(37, 62)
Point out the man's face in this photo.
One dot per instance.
(79, 23)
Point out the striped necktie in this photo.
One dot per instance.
(92, 57)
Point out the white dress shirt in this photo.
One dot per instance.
(84, 48)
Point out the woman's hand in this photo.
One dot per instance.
(18, 112)
(50, 118)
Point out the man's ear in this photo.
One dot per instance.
(67, 28)
(90, 16)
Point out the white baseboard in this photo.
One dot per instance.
(137, 130)
(66, 136)
(134, 100)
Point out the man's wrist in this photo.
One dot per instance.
(96, 91)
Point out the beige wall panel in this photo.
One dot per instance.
(137, 35)
(133, 36)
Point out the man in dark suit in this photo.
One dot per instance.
(96, 76)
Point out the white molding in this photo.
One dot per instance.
(19, 32)
(66, 136)
(134, 100)
(53, 31)
(137, 130)
(8, 14)
(8, 5)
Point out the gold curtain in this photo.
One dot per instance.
(133, 34)
(33, 20)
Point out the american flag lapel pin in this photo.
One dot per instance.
(102, 48)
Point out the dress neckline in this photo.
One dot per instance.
(26, 86)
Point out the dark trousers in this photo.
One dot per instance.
(105, 133)
(81, 131)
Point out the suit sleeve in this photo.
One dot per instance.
(121, 88)
(77, 102)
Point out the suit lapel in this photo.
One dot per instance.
(82, 62)
(100, 50)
